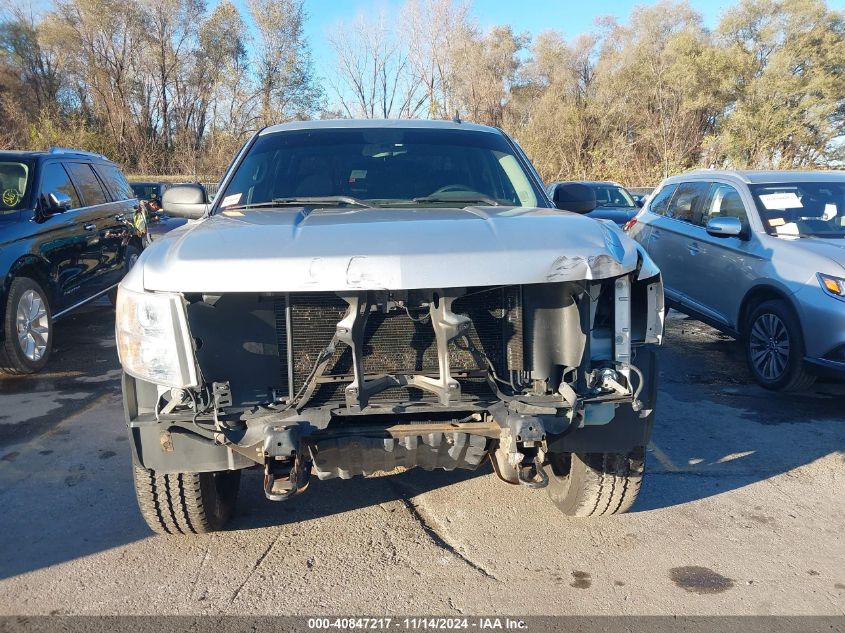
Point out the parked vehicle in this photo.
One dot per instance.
(155, 220)
(596, 199)
(761, 256)
(66, 237)
(364, 295)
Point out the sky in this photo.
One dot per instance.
(533, 16)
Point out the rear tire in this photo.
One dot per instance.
(27, 329)
(595, 484)
(186, 503)
(774, 348)
(131, 256)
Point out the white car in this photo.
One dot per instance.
(364, 295)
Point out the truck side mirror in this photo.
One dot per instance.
(575, 197)
(185, 201)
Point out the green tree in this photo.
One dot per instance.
(788, 107)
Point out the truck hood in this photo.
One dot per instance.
(295, 250)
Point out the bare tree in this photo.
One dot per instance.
(373, 72)
(433, 29)
(286, 85)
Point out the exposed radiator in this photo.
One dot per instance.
(397, 344)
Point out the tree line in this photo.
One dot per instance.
(173, 87)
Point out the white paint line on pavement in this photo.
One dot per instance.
(663, 458)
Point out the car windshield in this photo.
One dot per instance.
(14, 185)
(802, 209)
(613, 196)
(146, 191)
(381, 167)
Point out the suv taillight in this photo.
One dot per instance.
(629, 225)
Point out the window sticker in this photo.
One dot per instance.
(784, 200)
(357, 174)
(11, 197)
(829, 212)
(790, 229)
(233, 214)
(777, 222)
(228, 201)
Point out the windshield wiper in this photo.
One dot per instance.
(305, 201)
(466, 200)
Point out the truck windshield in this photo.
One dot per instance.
(14, 185)
(382, 167)
(802, 209)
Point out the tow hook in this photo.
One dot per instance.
(532, 475)
(282, 480)
(286, 471)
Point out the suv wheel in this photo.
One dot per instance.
(131, 256)
(774, 347)
(595, 484)
(28, 328)
(186, 503)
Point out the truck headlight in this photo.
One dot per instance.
(833, 285)
(153, 342)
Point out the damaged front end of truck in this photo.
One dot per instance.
(364, 380)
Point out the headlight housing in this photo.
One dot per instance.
(832, 285)
(153, 342)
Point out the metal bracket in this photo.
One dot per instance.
(447, 327)
(222, 395)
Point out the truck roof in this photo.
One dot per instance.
(347, 124)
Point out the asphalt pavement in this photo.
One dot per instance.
(741, 512)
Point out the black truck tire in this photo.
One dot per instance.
(186, 503)
(595, 484)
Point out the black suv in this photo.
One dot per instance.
(66, 237)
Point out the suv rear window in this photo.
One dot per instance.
(115, 182)
(660, 203)
(14, 185)
(687, 201)
(88, 184)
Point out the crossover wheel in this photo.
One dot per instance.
(595, 484)
(28, 328)
(186, 503)
(774, 347)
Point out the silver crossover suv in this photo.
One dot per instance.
(761, 256)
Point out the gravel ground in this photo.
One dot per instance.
(741, 513)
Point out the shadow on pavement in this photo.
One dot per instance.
(82, 367)
(717, 430)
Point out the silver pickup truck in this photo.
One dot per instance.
(368, 295)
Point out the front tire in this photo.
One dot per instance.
(774, 348)
(595, 484)
(186, 503)
(27, 329)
